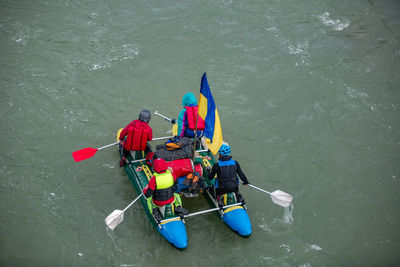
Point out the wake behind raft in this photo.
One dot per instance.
(138, 167)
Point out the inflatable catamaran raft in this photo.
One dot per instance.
(191, 163)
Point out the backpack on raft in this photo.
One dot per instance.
(194, 182)
(174, 149)
(173, 144)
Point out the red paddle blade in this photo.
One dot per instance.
(84, 154)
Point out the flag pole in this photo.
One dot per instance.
(195, 135)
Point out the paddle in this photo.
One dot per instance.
(89, 152)
(278, 197)
(117, 216)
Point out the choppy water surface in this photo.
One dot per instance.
(307, 91)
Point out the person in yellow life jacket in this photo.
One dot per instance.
(161, 189)
(135, 135)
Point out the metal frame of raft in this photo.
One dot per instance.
(173, 228)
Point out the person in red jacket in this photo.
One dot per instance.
(135, 135)
(161, 189)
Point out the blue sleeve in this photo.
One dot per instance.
(240, 173)
(180, 121)
(214, 170)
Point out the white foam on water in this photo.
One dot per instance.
(336, 24)
(113, 55)
(96, 66)
(108, 165)
(267, 258)
(315, 247)
(288, 214)
(110, 234)
(264, 225)
(300, 48)
(354, 93)
(287, 247)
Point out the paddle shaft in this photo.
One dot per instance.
(138, 160)
(161, 138)
(203, 211)
(132, 202)
(255, 187)
(162, 116)
(154, 139)
(262, 190)
(113, 144)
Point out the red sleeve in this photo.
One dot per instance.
(124, 132)
(174, 175)
(150, 187)
(152, 183)
(150, 131)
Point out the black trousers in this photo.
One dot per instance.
(125, 152)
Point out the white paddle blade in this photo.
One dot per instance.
(281, 198)
(115, 218)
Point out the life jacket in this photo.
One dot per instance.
(164, 186)
(228, 179)
(191, 117)
(136, 139)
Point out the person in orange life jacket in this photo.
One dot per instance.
(227, 171)
(161, 188)
(135, 135)
(188, 116)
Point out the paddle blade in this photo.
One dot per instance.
(281, 198)
(84, 154)
(115, 218)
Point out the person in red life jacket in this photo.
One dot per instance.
(135, 135)
(188, 116)
(161, 189)
(227, 170)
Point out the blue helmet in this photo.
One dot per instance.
(224, 150)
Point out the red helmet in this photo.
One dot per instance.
(160, 165)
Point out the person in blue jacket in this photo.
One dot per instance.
(227, 170)
(188, 116)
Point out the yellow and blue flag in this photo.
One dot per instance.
(208, 112)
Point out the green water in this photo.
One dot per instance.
(309, 100)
